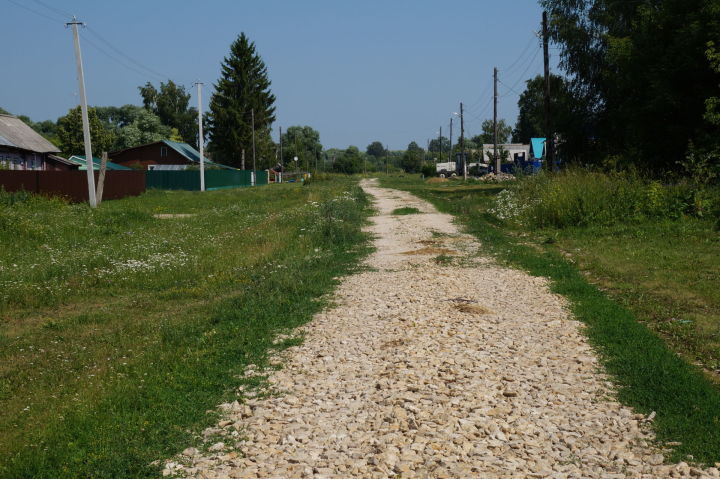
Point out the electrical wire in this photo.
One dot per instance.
(115, 58)
(62, 13)
(128, 57)
(32, 10)
(521, 56)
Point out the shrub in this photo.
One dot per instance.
(580, 197)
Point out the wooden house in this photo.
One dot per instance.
(22, 148)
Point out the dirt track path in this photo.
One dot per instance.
(427, 368)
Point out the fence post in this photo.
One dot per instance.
(101, 178)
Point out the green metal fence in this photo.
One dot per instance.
(214, 179)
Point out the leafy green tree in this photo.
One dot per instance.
(303, 142)
(3, 111)
(349, 161)
(412, 159)
(438, 143)
(243, 87)
(70, 133)
(375, 149)
(487, 135)
(640, 76)
(171, 105)
(145, 128)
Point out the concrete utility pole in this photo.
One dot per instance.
(495, 129)
(462, 141)
(83, 108)
(549, 135)
(201, 137)
(252, 112)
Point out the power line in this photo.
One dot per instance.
(128, 57)
(62, 13)
(522, 55)
(116, 59)
(32, 10)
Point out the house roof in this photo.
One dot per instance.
(183, 148)
(16, 134)
(538, 147)
(80, 160)
(191, 153)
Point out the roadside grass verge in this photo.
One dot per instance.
(405, 211)
(142, 325)
(649, 376)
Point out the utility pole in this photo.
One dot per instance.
(440, 142)
(495, 129)
(252, 113)
(450, 154)
(83, 108)
(281, 154)
(462, 141)
(549, 135)
(200, 136)
(387, 160)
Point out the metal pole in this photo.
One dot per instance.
(201, 136)
(252, 112)
(84, 110)
(281, 152)
(495, 128)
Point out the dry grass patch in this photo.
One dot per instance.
(472, 308)
(431, 251)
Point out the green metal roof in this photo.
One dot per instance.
(192, 154)
(80, 160)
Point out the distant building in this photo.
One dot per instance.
(22, 148)
(517, 152)
(161, 155)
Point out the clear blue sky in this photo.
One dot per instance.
(357, 71)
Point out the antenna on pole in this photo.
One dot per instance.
(201, 137)
(84, 110)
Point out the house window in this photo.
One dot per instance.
(163, 152)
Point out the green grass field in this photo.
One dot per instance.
(647, 290)
(120, 329)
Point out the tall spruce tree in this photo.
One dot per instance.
(243, 87)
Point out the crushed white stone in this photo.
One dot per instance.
(397, 381)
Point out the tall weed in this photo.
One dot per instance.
(582, 198)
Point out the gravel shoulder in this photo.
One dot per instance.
(434, 363)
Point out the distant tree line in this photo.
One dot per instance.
(642, 83)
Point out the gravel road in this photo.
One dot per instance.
(434, 363)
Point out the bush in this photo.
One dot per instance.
(580, 198)
(428, 170)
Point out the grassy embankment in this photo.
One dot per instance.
(120, 330)
(637, 269)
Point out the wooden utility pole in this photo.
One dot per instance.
(281, 154)
(450, 154)
(101, 177)
(495, 128)
(242, 161)
(440, 142)
(549, 135)
(84, 111)
(462, 141)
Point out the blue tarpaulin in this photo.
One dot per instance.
(538, 147)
